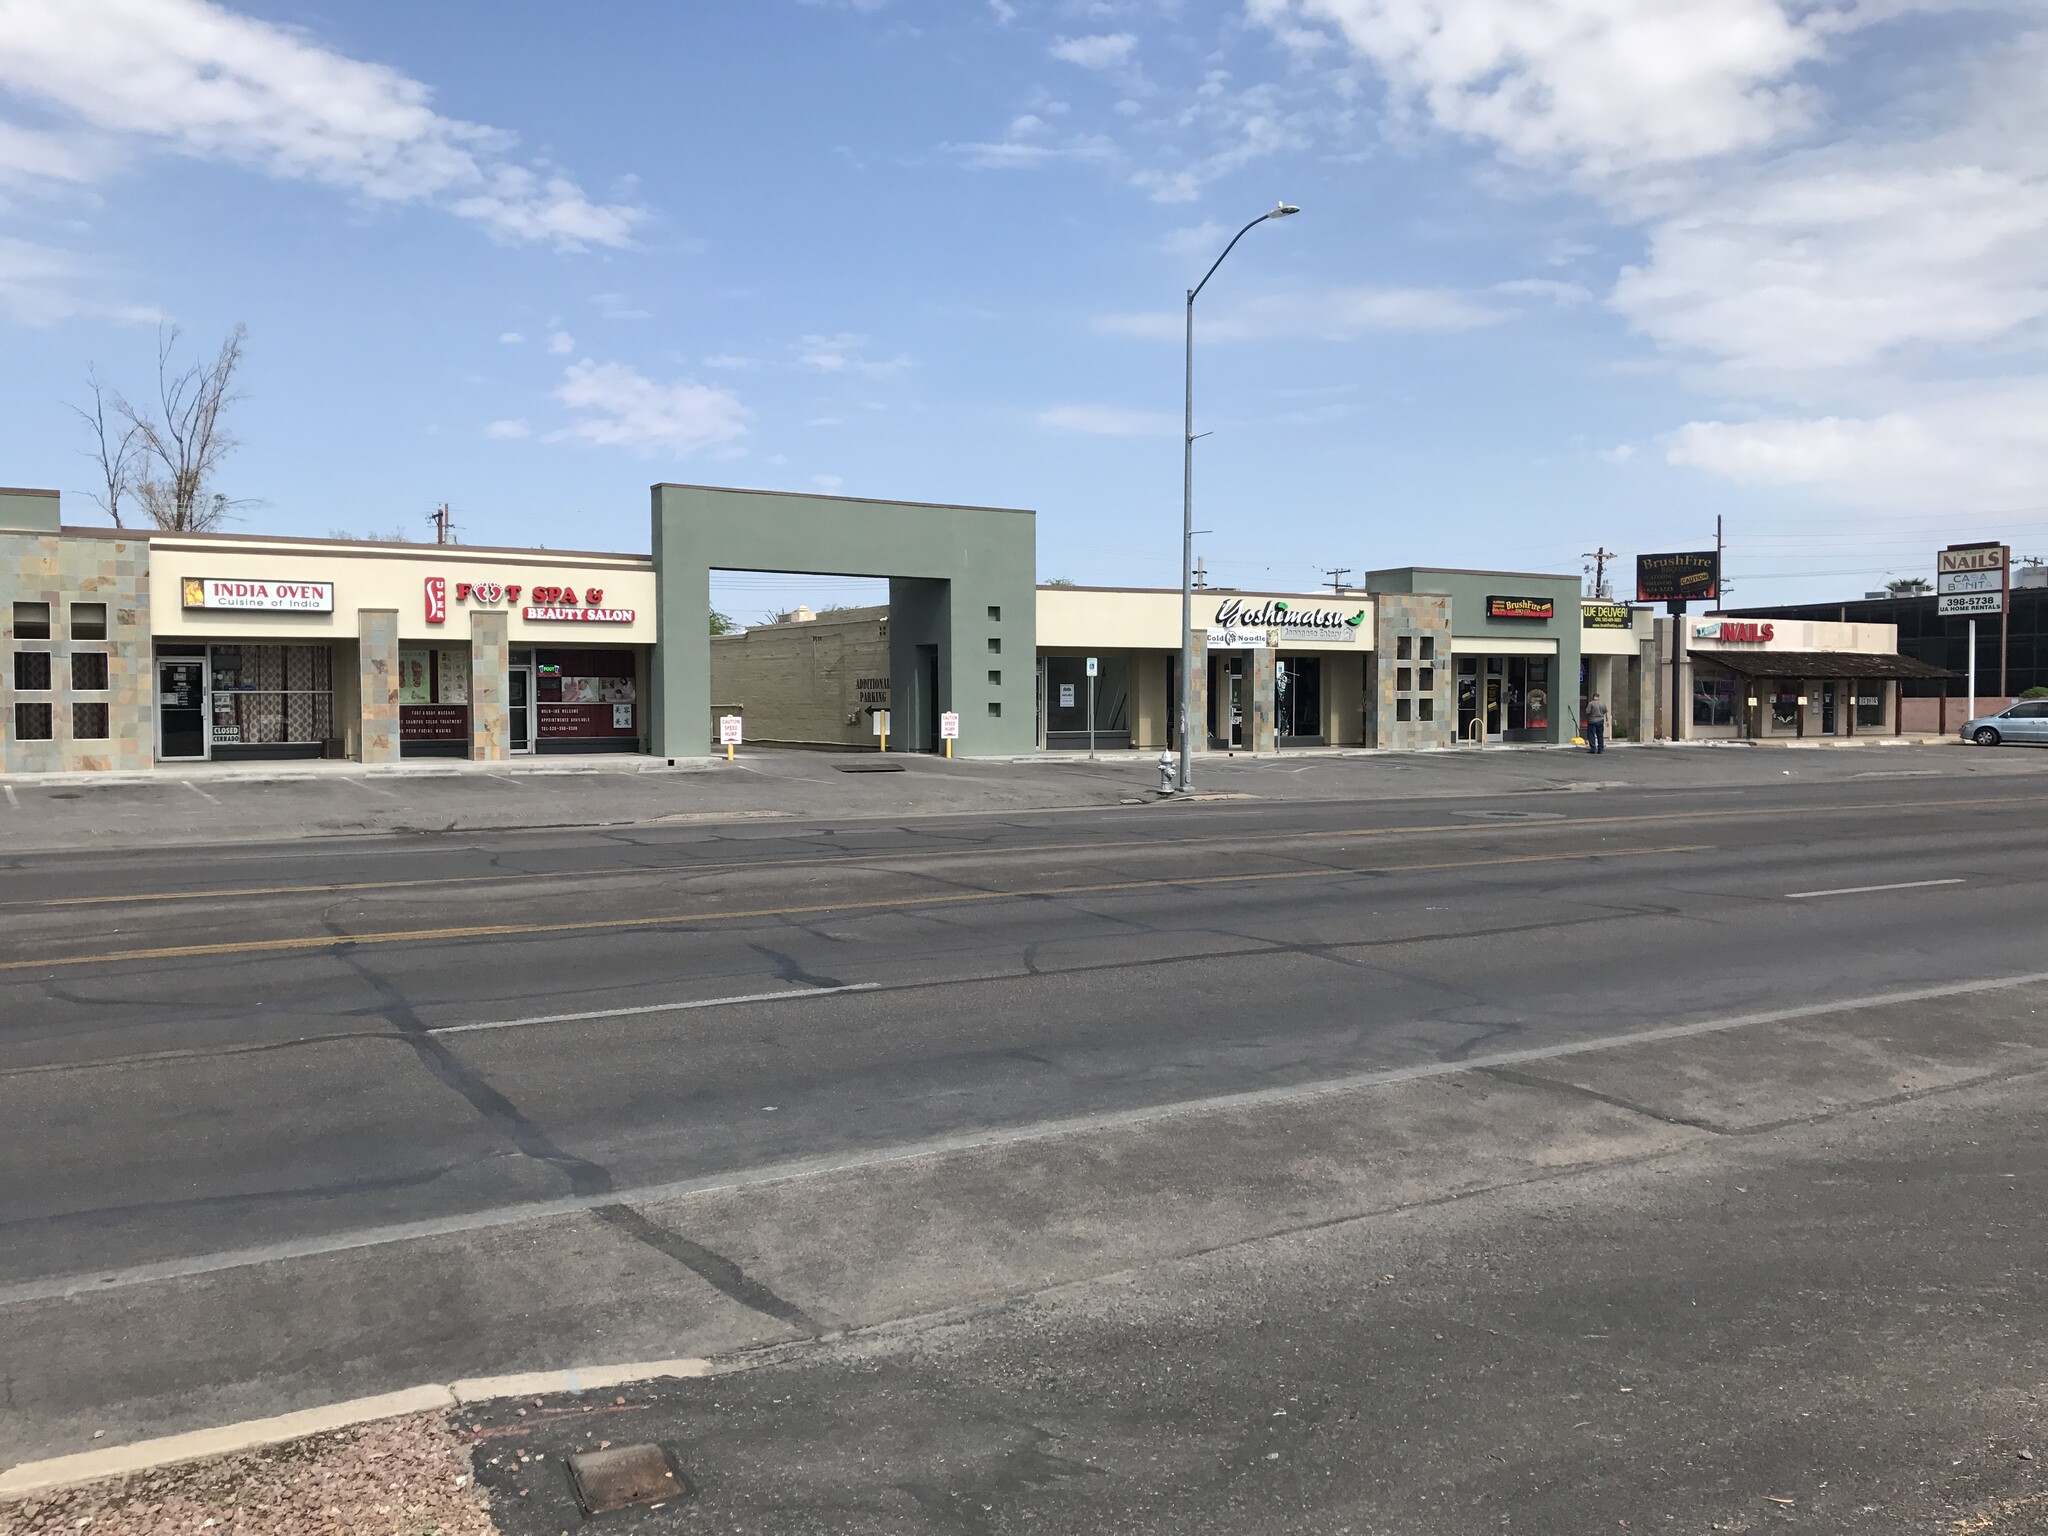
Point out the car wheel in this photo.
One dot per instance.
(1986, 737)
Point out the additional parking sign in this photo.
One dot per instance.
(949, 726)
(1066, 695)
(1091, 666)
(729, 730)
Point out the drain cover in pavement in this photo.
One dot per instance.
(1511, 815)
(627, 1474)
(869, 767)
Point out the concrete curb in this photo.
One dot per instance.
(33, 1477)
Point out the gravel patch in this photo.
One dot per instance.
(401, 1477)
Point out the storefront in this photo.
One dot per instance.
(1272, 671)
(1764, 679)
(282, 648)
(1515, 641)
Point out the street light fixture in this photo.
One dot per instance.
(1187, 504)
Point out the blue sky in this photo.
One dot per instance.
(1570, 273)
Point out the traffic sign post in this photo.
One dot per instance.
(1091, 709)
(881, 719)
(949, 730)
(729, 728)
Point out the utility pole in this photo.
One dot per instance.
(1718, 582)
(1600, 557)
(444, 524)
(1337, 576)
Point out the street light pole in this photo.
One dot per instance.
(1187, 505)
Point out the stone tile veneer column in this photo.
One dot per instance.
(377, 667)
(489, 667)
(1259, 716)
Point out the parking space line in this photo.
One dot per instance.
(11, 799)
(1860, 890)
(202, 794)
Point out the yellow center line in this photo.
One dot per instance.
(854, 857)
(878, 904)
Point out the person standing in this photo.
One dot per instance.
(1596, 724)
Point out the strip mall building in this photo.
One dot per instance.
(128, 649)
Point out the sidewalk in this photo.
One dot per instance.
(220, 805)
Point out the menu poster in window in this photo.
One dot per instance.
(454, 676)
(415, 685)
(622, 717)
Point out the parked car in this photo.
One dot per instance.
(2025, 721)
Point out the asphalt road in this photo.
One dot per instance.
(289, 1122)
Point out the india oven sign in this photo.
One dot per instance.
(1306, 623)
(260, 596)
(1520, 608)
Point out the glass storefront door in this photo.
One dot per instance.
(181, 734)
(1229, 686)
(1828, 711)
(519, 708)
(1298, 700)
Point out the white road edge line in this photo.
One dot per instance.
(202, 794)
(625, 1013)
(57, 1287)
(1860, 890)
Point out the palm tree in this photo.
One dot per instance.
(1908, 586)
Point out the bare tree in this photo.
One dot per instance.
(181, 451)
(115, 446)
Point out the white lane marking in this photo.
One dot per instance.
(11, 800)
(372, 789)
(1860, 890)
(202, 794)
(57, 1286)
(624, 1013)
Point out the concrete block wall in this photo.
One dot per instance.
(802, 682)
(62, 569)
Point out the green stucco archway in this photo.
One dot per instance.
(962, 603)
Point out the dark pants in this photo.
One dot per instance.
(1596, 735)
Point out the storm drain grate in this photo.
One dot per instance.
(623, 1476)
(869, 767)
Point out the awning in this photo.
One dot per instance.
(1818, 664)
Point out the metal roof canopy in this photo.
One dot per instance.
(1819, 664)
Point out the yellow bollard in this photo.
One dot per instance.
(728, 751)
(949, 749)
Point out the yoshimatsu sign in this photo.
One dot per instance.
(1289, 620)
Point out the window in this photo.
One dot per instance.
(995, 646)
(88, 621)
(1428, 680)
(89, 722)
(1404, 647)
(2036, 710)
(1404, 679)
(1870, 705)
(31, 621)
(1785, 706)
(995, 677)
(1713, 701)
(1404, 708)
(32, 671)
(272, 695)
(995, 709)
(995, 614)
(1429, 648)
(1425, 709)
(89, 672)
(31, 722)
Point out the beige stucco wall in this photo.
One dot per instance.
(1079, 619)
(388, 576)
(1802, 635)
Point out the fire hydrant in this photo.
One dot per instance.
(1166, 773)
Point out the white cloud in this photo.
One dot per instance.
(561, 343)
(1620, 453)
(1103, 51)
(1976, 447)
(828, 483)
(625, 408)
(510, 338)
(36, 282)
(1003, 11)
(1602, 84)
(1331, 314)
(508, 429)
(843, 354)
(732, 362)
(1106, 420)
(1195, 241)
(195, 78)
(1563, 295)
